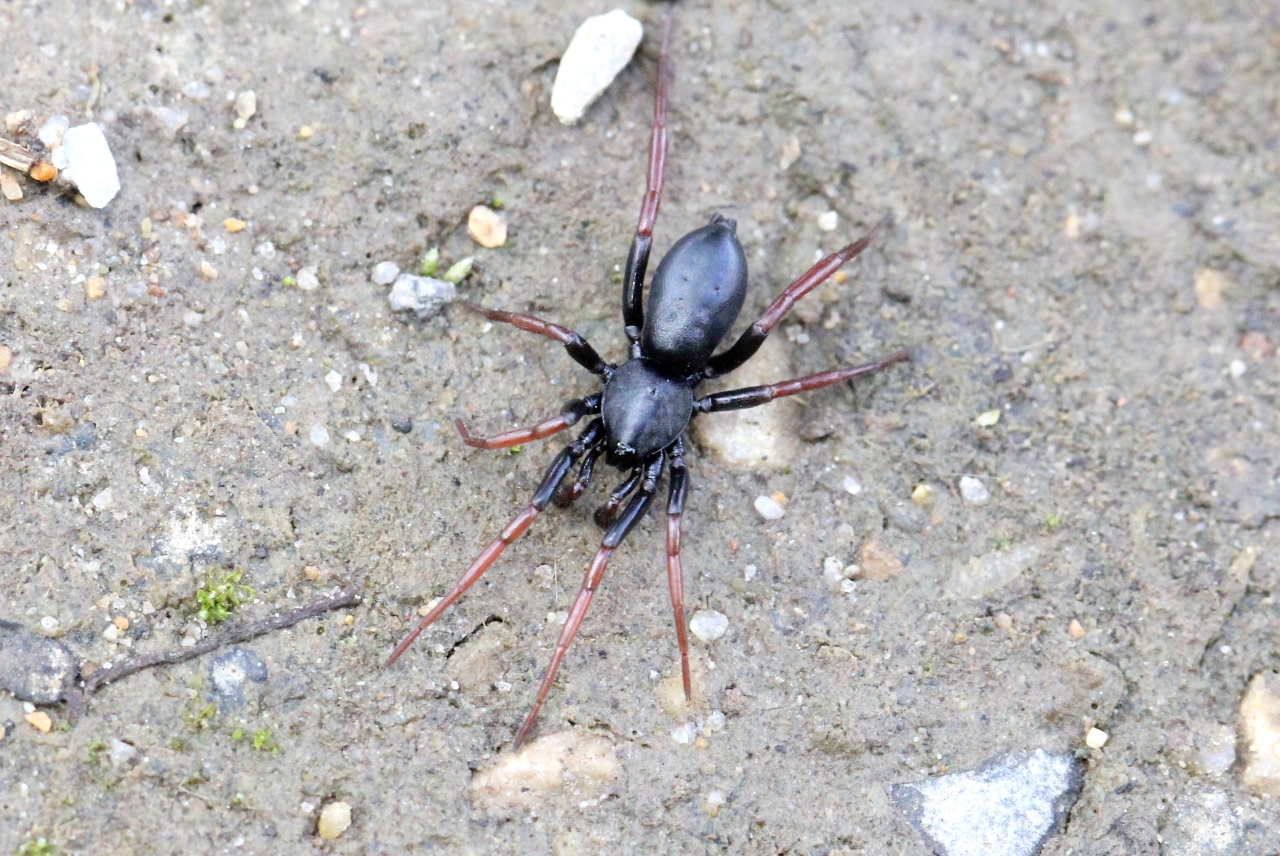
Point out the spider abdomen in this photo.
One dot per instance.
(696, 295)
(644, 410)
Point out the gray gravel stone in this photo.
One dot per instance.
(421, 295)
(1203, 822)
(1009, 806)
(33, 668)
(230, 671)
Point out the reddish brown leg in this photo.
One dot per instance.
(634, 511)
(575, 345)
(574, 411)
(638, 257)
(738, 399)
(555, 474)
(749, 342)
(675, 572)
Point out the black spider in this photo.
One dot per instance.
(649, 400)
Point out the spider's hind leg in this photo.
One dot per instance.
(555, 474)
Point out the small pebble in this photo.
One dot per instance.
(684, 734)
(715, 802)
(192, 318)
(233, 225)
(333, 380)
(1142, 138)
(51, 131)
(422, 295)
(246, 105)
(112, 633)
(402, 424)
(769, 508)
(104, 499)
(852, 485)
(833, 572)
(974, 491)
(1075, 629)
(922, 495)
(708, 625)
(987, 418)
(878, 560)
(1209, 285)
(311, 572)
(95, 288)
(121, 753)
(90, 165)
(487, 227)
(1003, 621)
(319, 435)
(385, 273)
(308, 278)
(208, 272)
(49, 624)
(1096, 738)
(63, 304)
(9, 185)
(601, 48)
(1260, 734)
(40, 721)
(982, 575)
(42, 171)
(335, 818)
(121, 622)
(828, 221)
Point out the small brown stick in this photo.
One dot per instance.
(243, 633)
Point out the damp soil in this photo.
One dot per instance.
(1060, 178)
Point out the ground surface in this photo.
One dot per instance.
(1042, 263)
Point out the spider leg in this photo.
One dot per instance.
(675, 571)
(555, 474)
(753, 396)
(576, 346)
(565, 497)
(605, 514)
(634, 511)
(572, 412)
(753, 337)
(638, 256)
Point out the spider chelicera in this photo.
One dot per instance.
(648, 401)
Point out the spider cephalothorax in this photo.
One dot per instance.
(648, 401)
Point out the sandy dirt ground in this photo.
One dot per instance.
(1086, 241)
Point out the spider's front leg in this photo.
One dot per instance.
(572, 412)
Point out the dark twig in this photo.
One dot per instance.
(243, 633)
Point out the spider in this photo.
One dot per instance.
(649, 400)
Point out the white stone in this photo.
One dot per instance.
(334, 817)
(852, 485)
(601, 48)
(708, 625)
(1096, 738)
(684, 734)
(385, 273)
(90, 165)
(833, 572)
(1260, 733)
(319, 435)
(974, 491)
(759, 437)
(828, 220)
(246, 105)
(121, 753)
(982, 575)
(308, 279)
(422, 295)
(1006, 807)
(334, 380)
(49, 624)
(51, 131)
(769, 508)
